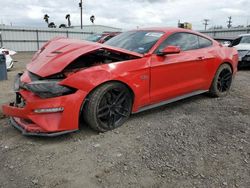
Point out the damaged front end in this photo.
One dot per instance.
(47, 106)
(44, 88)
(43, 107)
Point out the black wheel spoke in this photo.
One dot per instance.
(114, 107)
(219, 86)
(124, 114)
(227, 76)
(224, 80)
(111, 120)
(103, 114)
(103, 108)
(224, 87)
(122, 108)
(109, 98)
(228, 84)
(103, 111)
(120, 98)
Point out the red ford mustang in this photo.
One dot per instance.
(69, 80)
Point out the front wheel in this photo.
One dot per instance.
(222, 81)
(108, 107)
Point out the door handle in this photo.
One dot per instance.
(200, 58)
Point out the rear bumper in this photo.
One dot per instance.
(29, 122)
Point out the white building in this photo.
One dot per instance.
(32, 38)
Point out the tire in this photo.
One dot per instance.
(108, 107)
(222, 81)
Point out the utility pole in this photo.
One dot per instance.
(229, 25)
(206, 23)
(80, 5)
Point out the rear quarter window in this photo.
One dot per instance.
(204, 43)
(186, 41)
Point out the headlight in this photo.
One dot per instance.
(48, 88)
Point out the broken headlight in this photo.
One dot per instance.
(48, 88)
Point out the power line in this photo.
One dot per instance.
(206, 23)
(229, 25)
(80, 5)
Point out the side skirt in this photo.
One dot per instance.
(171, 100)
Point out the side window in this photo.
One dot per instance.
(186, 41)
(107, 38)
(203, 42)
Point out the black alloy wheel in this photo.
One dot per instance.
(222, 81)
(109, 106)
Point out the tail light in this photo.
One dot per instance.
(6, 52)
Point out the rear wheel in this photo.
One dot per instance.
(108, 107)
(222, 81)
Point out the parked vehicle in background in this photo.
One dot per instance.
(3, 69)
(8, 54)
(71, 80)
(101, 38)
(242, 44)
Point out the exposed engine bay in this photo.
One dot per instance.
(100, 56)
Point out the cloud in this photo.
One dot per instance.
(234, 12)
(34, 12)
(126, 14)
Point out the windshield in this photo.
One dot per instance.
(245, 39)
(136, 41)
(94, 38)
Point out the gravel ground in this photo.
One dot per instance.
(197, 142)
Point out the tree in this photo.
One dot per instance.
(68, 18)
(206, 23)
(229, 25)
(46, 18)
(52, 25)
(92, 18)
(62, 26)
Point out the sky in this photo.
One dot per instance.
(126, 14)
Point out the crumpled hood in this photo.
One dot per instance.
(55, 55)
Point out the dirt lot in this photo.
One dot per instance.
(197, 142)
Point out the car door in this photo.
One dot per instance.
(174, 75)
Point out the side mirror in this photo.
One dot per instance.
(169, 50)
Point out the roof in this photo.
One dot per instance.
(173, 30)
(248, 34)
(164, 29)
(227, 38)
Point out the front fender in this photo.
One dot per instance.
(90, 78)
(87, 79)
